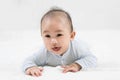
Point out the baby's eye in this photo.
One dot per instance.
(48, 36)
(58, 35)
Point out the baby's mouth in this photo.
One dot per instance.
(56, 48)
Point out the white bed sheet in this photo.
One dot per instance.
(13, 72)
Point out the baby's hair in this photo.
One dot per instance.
(53, 11)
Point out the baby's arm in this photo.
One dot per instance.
(31, 64)
(83, 58)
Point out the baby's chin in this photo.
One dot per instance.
(57, 53)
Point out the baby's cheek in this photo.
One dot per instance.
(64, 40)
(47, 45)
(47, 42)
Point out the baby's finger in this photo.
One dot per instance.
(27, 72)
(69, 69)
(38, 73)
(66, 69)
(33, 73)
(41, 69)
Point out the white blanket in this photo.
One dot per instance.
(102, 72)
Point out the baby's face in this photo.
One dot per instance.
(56, 35)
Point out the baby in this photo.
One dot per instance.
(60, 48)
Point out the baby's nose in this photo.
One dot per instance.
(53, 41)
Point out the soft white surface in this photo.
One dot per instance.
(55, 73)
(16, 45)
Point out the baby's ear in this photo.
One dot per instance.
(72, 35)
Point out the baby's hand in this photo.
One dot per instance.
(34, 71)
(74, 67)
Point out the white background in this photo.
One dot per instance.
(97, 22)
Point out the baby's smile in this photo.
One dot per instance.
(56, 49)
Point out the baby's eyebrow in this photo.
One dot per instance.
(59, 31)
(55, 31)
(45, 31)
